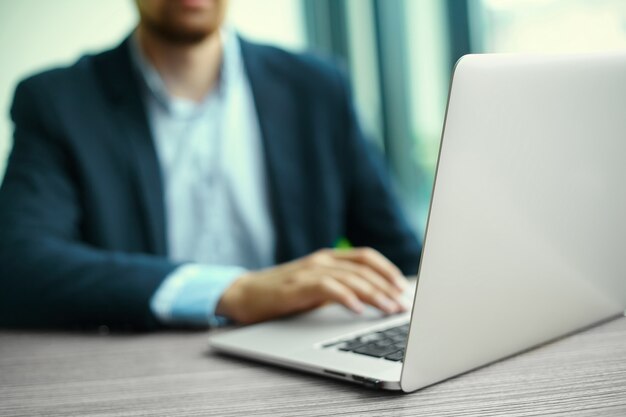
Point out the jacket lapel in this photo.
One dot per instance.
(122, 85)
(276, 109)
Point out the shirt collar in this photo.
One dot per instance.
(230, 69)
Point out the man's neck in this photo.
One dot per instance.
(188, 71)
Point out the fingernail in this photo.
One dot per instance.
(402, 305)
(386, 304)
(401, 282)
(356, 306)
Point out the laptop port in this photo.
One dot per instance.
(339, 374)
(368, 382)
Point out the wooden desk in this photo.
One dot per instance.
(173, 374)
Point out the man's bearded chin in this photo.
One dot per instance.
(178, 34)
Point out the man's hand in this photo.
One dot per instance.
(350, 277)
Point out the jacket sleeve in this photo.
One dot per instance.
(374, 217)
(48, 276)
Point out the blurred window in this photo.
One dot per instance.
(397, 55)
(400, 54)
(548, 25)
(279, 22)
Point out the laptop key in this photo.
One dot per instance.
(373, 337)
(401, 346)
(352, 344)
(384, 342)
(396, 356)
(376, 351)
(393, 331)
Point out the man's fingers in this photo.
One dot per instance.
(377, 262)
(368, 293)
(369, 275)
(381, 295)
(327, 288)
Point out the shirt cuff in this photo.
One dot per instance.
(189, 295)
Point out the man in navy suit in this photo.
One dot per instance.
(190, 177)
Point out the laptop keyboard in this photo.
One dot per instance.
(389, 343)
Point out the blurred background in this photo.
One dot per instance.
(399, 54)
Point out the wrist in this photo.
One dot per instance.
(229, 304)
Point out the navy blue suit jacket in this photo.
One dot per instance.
(82, 222)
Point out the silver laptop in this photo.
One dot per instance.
(526, 236)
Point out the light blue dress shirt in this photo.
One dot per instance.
(217, 211)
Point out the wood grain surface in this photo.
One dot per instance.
(174, 374)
